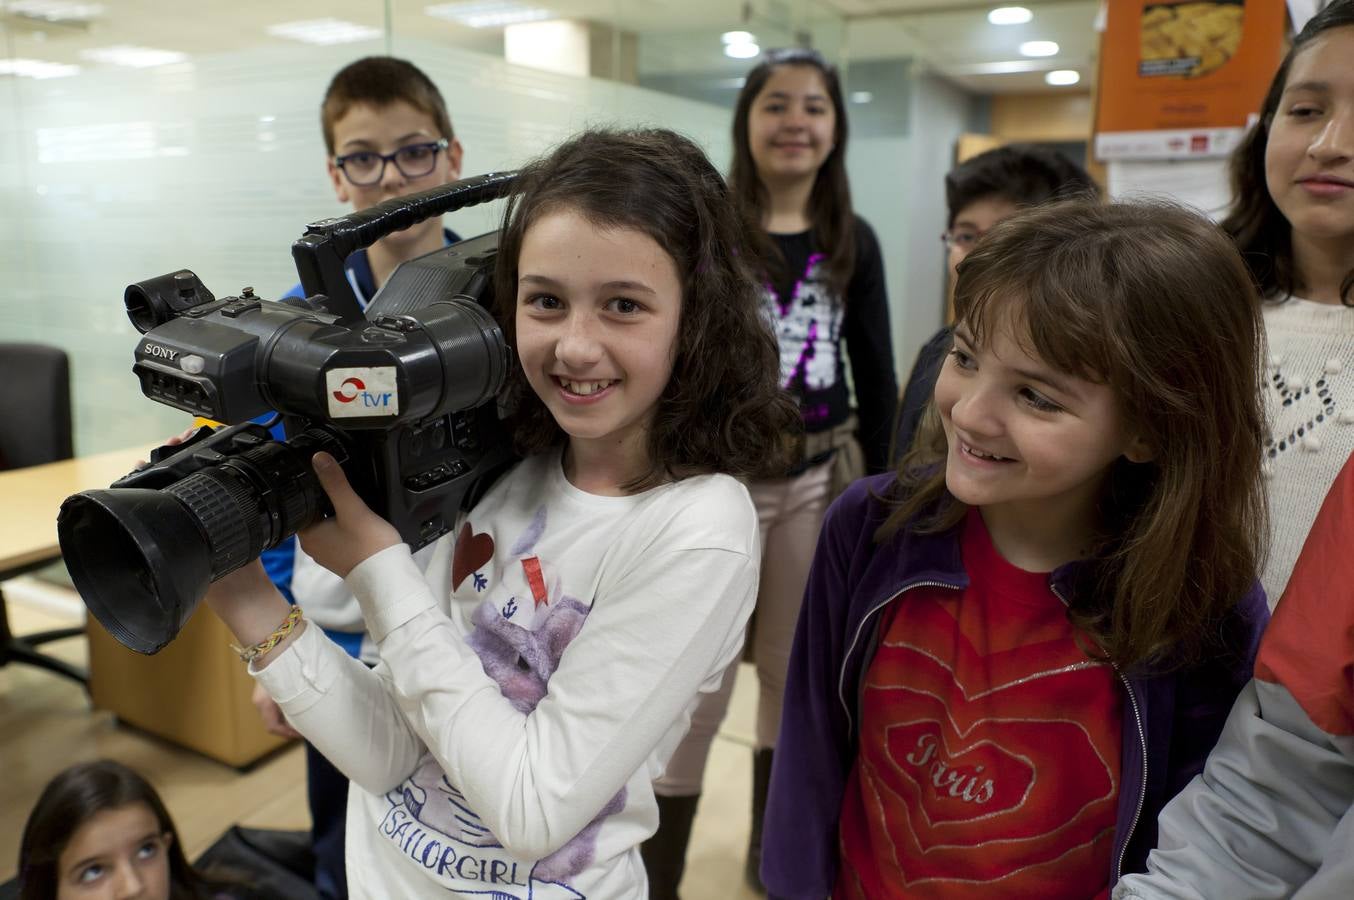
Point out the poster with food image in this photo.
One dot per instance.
(1181, 78)
(1189, 39)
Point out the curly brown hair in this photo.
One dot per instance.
(1142, 297)
(723, 409)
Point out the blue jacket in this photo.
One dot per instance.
(1171, 720)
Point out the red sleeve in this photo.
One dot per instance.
(1309, 647)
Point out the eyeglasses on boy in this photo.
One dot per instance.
(367, 167)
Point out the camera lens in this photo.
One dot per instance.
(143, 558)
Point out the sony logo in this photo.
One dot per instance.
(156, 350)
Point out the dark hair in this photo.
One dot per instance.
(833, 228)
(1255, 222)
(70, 800)
(1023, 174)
(1142, 297)
(380, 81)
(723, 409)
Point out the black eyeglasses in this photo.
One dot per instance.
(367, 167)
(961, 240)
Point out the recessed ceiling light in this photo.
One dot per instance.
(742, 50)
(488, 13)
(36, 68)
(324, 31)
(54, 10)
(1009, 15)
(1062, 77)
(861, 96)
(1039, 48)
(134, 57)
(738, 37)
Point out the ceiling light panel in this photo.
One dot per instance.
(1010, 15)
(997, 67)
(1039, 48)
(36, 68)
(54, 10)
(489, 13)
(324, 31)
(1061, 77)
(133, 57)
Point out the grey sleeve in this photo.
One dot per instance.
(1335, 879)
(1269, 814)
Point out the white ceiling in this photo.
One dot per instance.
(952, 39)
(949, 37)
(955, 40)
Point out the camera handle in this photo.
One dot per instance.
(321, 252)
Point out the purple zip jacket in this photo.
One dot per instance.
(1171, 721)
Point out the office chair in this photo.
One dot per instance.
(35, 428)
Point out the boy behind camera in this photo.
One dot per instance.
(387, 134)
(980, 193)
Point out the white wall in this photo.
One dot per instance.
(898, 184)
(940, 114)
(882, 191)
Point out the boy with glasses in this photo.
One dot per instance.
(979, 193)
(387, 134)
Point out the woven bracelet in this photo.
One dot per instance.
(248, 653)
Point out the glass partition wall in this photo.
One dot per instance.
(134, 143)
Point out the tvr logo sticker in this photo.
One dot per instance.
(354, 389)
(349, 390)
(362, 391)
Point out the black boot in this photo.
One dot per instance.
(761, 783)
(665, 853)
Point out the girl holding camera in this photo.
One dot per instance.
(536, 680)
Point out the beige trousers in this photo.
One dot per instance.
(790, 513)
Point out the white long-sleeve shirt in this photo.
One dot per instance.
(326, 601)
(471, 775)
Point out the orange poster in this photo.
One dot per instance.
(1180, 78)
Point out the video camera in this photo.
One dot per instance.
(404, 395)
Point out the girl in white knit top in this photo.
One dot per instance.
(1293, 220)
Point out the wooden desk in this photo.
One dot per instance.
(30, 498)
(195, 692)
